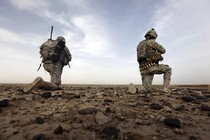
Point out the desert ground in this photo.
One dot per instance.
(104, 112)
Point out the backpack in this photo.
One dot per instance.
(146, 51)
(46, 49)
(155, 56)
(51, 50)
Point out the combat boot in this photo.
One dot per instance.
(38, 82)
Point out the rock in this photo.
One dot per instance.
(147, 98)
(179, 131)
(207, 95)
(80, 135)
(167, 109)
(139, 122)
(156, 106)
(77, 96)
(205, 107)
(88, 120)
(132, 104)
(132, 136)
(172, 122)
(39, 137)
(76, 125)
(88, 110)
(46, 95)
(180, 108)
(58, 130)
(102, 119)
(160, 118)
(15, 132)
(188, 98)
(56, 94)
(142, 122)
(4, 102)
(109, 110)
(166, 103)
(199, 97)
(68, 95)
(30, 97)
(39, 120)
(108, 100)
(19, 92)
(132, 88)
(110, 133)
(193, 138)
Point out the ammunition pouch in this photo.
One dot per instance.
(146, 65)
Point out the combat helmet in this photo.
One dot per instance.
(152, 33)
(61, 38)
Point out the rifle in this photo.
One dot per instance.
(51, 32)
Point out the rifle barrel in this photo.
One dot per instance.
(51, 31)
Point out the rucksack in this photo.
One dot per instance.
(46, 49)
(145, 51)
(51, 50)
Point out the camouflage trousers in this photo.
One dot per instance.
(148, 74)
(55, 70)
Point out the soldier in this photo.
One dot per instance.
(55, 55)
(148, 56)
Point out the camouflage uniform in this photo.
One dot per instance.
(54, 68)
(148, 55)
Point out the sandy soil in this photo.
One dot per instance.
(104, 112)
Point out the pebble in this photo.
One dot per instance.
(167, 109)
(39, 137)
(172, 122)
(132, 88)
(179, 131)
(192, 138)
(188, 98)
(101, 119)
(142, 122)
(180, 108)
(58, 130)
(4, 102)
(156, 106)
(132, 136)
(19, 92)
(88, 110)
(160, 118)
(46, 95)
(39, 120)
(30, 97)
(205, 107)
(110, 132)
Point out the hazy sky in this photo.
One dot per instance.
(102, 36)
